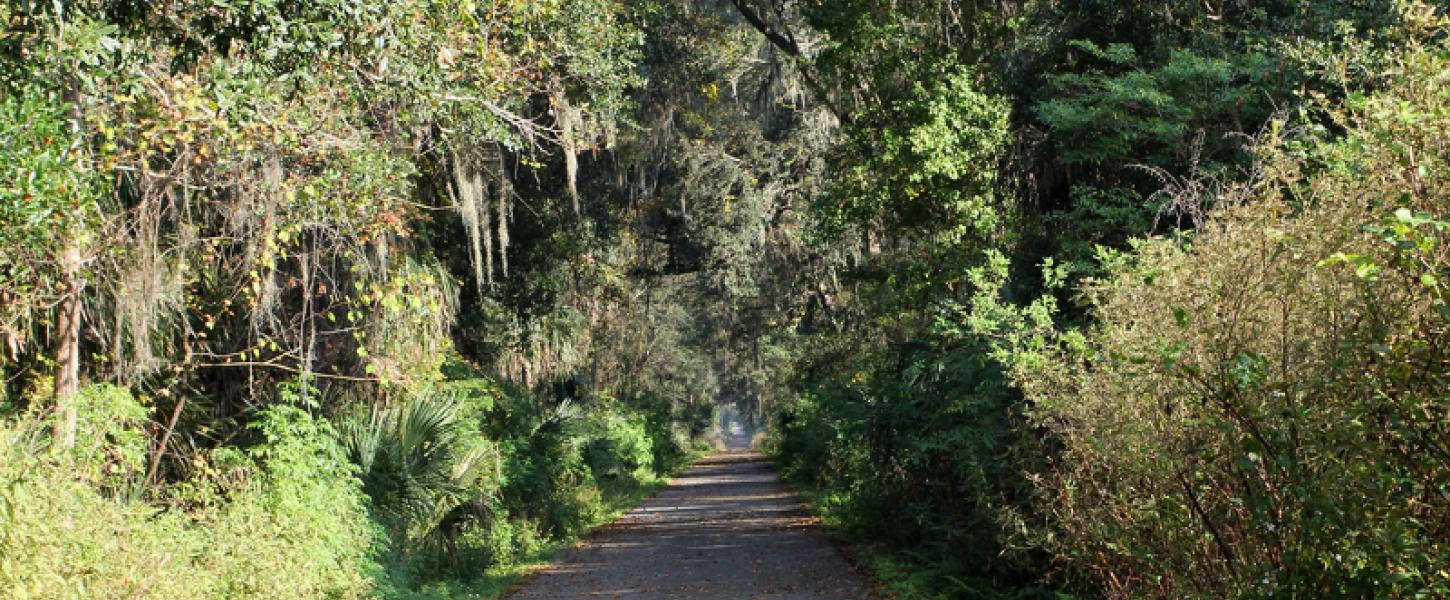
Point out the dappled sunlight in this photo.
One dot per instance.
(726, 529)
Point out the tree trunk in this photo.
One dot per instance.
(67, 336)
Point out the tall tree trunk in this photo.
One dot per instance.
(67, 334)
(67, 337)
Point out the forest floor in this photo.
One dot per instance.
(727, 528)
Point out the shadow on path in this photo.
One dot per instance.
(725, 528)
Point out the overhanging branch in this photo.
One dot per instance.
(780, 41)
(787, 44)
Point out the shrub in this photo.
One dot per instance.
(548, 481)
(425, 468)
(670, 434)
(1261, 410)
(294, 528)
(60, 535)
(301, 528)
(619, 447)
(924, 457)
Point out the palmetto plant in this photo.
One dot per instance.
(426, 470)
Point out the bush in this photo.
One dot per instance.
(295, 527)
(427, 470)
(60, 535)
(926, 459)
(301, 529)
(476, 474)
(1261, 409)
(288, 517)
(619, 447)
(671, 436)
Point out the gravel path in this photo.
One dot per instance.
(727, 528)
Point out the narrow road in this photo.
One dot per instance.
(727, 528)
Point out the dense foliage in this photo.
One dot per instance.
(1276, 382)
(1034, 297)
(1168, 326)
(240, 222)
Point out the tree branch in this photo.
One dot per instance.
(787, 44)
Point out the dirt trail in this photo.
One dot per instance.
(727, 528)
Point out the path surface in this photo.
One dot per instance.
(727, 528)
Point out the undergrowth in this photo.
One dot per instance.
(454, 492)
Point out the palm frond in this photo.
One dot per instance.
(419, 462)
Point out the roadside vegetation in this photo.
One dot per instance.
(293, 303)
(1145, 300)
